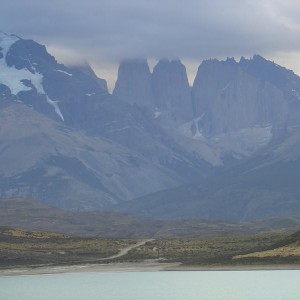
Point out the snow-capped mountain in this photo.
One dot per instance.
(36, 79)
(60, 125)
(66, 141)
(19, 73)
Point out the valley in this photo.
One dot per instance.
(149, 150)
(159, 169)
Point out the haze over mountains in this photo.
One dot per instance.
(226, 148)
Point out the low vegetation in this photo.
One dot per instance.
(23, 248)
(206, 251)
(32, 248)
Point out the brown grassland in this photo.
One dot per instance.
(30, 248)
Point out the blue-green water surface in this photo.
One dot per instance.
(209, 285)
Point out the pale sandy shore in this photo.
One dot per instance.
(146, 266)
(235, 268)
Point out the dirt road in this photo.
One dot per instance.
(127, 249)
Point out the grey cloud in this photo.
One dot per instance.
(193, 29)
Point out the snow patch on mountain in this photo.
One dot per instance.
(14, 78)
(64, 72)
(56, 107)
(244, 142)
(157, 114)
(6, 41)
(238, 144)
(191, 129)
(296, 93)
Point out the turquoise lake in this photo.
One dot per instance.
(193, 285)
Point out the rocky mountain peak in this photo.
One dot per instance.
(134, 82)
(87, 70)
(212, 80)
(30, 55)
(171, 90)
(30, 75)
(166, 92)
(271, 72)
(248, 94)
(21, 72)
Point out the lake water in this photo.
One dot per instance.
(194, 285)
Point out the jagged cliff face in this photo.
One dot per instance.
(134, 83)
(171, 91)
(241, 107)
(230, 98)
(165, 92)
(233, 109)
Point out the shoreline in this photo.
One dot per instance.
(145, 266)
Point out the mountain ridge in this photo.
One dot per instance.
(214, 150)
(66, 116)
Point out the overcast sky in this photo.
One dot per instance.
(106, 31)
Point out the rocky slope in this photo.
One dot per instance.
(59, 165)
(263, 186)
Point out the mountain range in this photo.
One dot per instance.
(226, 148)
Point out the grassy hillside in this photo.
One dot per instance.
(285, 251)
